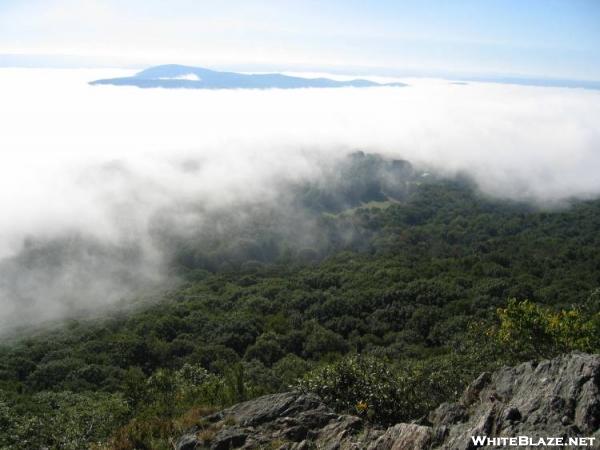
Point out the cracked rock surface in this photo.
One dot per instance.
(558, 398)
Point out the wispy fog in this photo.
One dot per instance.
(99, 163)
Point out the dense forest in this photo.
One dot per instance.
(383, 288)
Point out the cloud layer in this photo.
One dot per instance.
(102, 161)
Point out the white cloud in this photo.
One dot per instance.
(517, 141)
(520, 142)
(188, 76)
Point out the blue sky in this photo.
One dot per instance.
(542, 38)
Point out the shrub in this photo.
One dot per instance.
(528, 330)
(386, 393)
(62, 420)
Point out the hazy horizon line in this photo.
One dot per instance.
(67, 61)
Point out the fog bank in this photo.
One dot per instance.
(102, 162)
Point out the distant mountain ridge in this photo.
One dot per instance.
(174, 76)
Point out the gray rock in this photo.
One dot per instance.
(187, 442)
(533, 400)
(471, 394)
(560, 397)
(404, 436)
(448, 414)
(229, 438)
(271, 407)
(512, 415)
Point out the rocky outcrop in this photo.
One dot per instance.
(556, 398)
(287, 421)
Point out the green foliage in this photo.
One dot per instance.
(413, 287)
(62, 420)
(389, 392)
(528, 330)
(168, 393)
(386, 392)
(359, 385)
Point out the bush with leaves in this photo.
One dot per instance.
(61, 420)
(388, 393)
(169, 393)
(360, 385)
(528, 330)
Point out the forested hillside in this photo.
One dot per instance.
(381, 287)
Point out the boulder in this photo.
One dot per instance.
(558, 397)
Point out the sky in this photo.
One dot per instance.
(534, 38)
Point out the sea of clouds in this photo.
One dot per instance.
(102, 160)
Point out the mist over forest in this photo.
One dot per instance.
(121, 190)
(306, 225)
